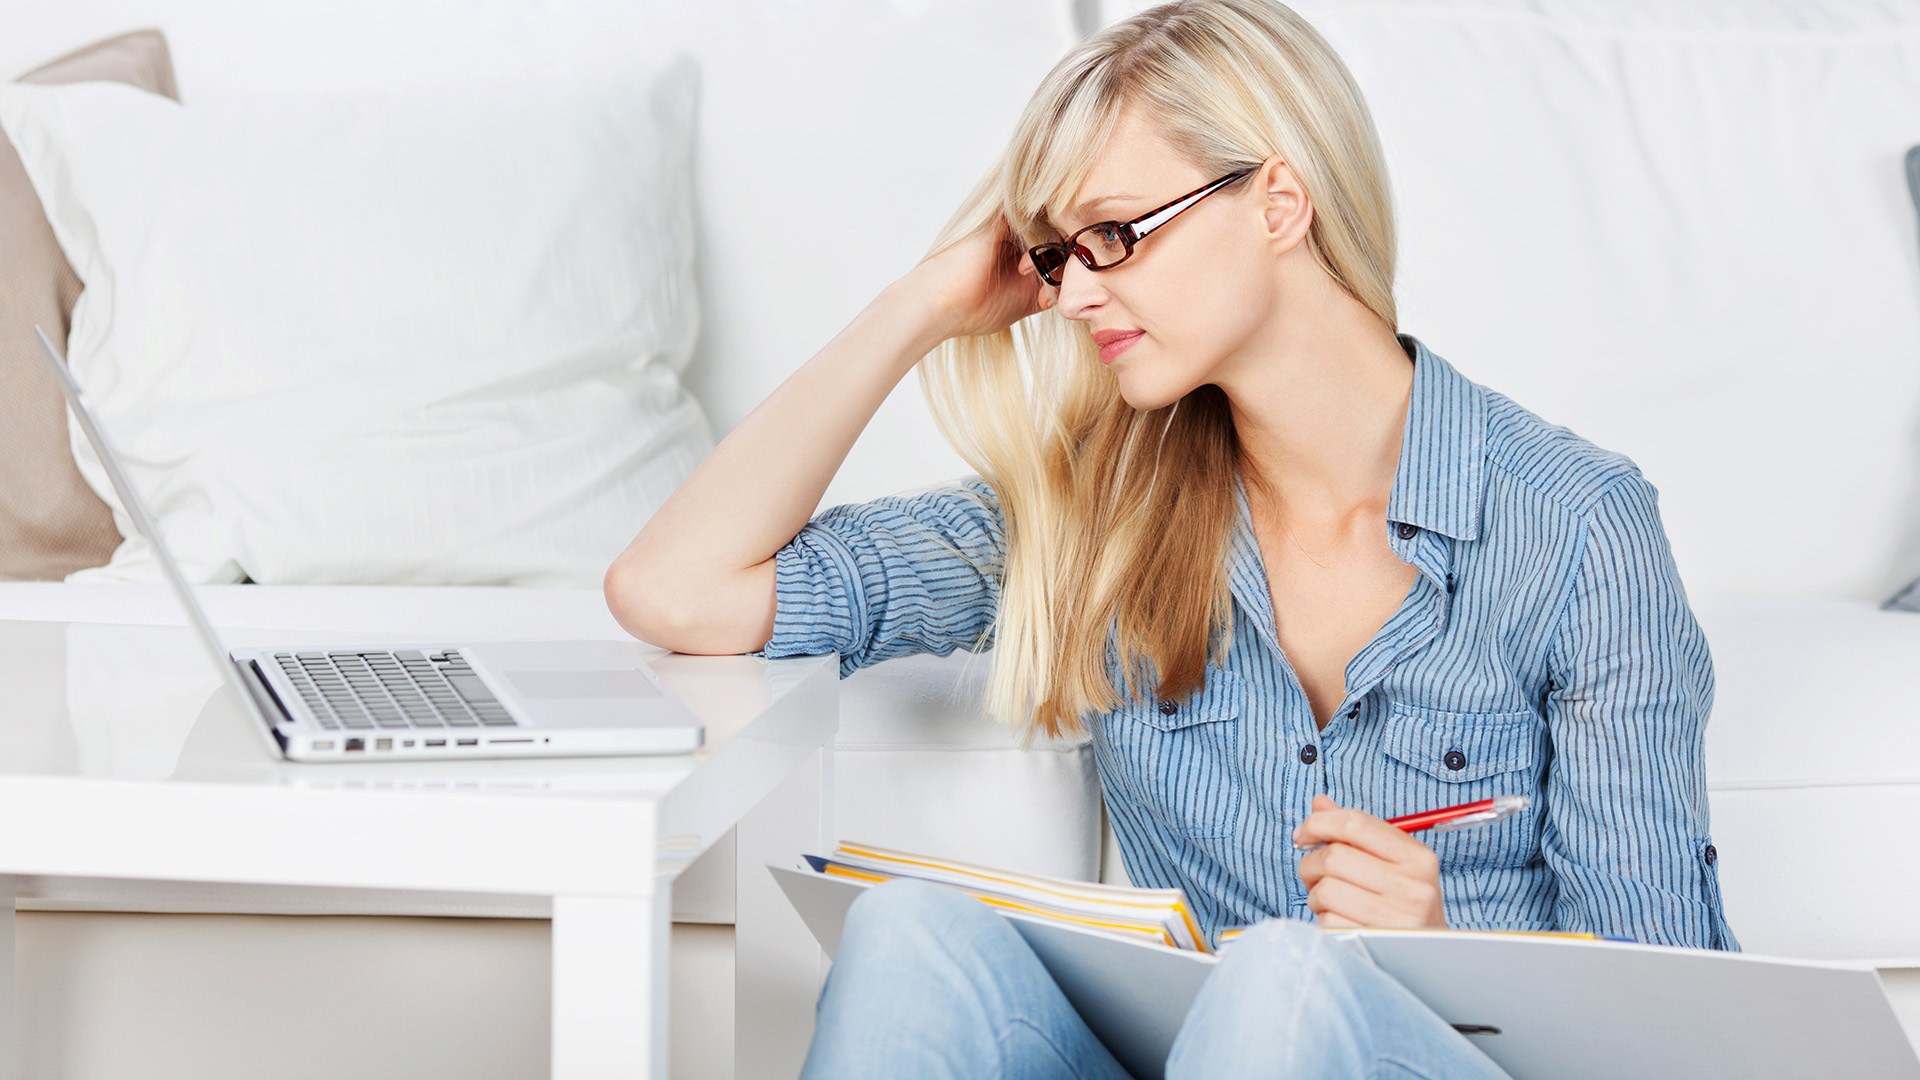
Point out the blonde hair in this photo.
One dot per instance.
(1109, 567)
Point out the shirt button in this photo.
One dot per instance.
(1309, 755)
(1711, 855)
(1455, 760)
(1168, 708)
(1407, 531)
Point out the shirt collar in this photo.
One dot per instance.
(1443, 453)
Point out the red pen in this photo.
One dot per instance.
(1448, 818)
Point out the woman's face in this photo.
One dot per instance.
(1200, 287)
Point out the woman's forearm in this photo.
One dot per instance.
(756, 489)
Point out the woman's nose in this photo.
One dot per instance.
(1077, 290)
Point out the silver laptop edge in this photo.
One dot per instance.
(667, 726)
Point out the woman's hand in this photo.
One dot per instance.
(1370, 873)
(982, 284)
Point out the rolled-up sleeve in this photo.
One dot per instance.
(1626, 828)
(902, 574)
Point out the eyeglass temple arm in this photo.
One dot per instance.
(1159, 216)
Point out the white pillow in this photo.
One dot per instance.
(422, 337)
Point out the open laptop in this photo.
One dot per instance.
(505, 699)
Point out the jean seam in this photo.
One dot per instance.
(1412, 1068)
(1021, 1021)
(1318, 973)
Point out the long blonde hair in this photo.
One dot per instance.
(1118, 521)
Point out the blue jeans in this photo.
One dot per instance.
(930, 983)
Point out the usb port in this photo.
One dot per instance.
(434, 742)
(467, 742)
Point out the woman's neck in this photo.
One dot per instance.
(1321, 424)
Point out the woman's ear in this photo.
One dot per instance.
(1285, 206)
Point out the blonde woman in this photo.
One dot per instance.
(1291, 571)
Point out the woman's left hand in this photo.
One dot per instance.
(1370, 873)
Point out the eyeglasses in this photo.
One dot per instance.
(1111, 242)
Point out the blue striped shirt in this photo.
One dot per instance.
(1546, 648)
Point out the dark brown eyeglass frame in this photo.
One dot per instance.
(1131, 232)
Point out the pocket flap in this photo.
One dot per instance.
(1221, 697)
(1461, 746)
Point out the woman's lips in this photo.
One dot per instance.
(1112, 350)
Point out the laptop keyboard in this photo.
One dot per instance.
(370, 689)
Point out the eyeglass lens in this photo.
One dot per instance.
(1102, 241)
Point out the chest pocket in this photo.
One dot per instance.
(1177, 758)
(1434, 758)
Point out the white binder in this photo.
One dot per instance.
(1540, 1007)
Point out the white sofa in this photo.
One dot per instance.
(1680, 230)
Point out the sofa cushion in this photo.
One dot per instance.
(363, 337)
(1813, 775)
(51, 522)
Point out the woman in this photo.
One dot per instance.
(1292, 571)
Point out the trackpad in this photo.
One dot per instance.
(554, 685)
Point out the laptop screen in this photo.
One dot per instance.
(143, 523)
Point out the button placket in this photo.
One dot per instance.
(1428, 552)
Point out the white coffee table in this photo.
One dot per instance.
(128, 772)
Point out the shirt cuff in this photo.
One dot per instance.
(819, 606)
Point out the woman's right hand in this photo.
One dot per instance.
(983, 284)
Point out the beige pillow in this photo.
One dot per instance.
(51, 522)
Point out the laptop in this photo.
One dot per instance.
(329, 703)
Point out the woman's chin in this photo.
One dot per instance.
(1145, 398)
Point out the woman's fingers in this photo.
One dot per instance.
(1368, 856)
(1345, 861)
(1349, 901)
(1330, 823)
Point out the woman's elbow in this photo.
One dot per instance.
(733, 616)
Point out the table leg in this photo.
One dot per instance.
(610, 987)
(778, 966)
(11, 1052)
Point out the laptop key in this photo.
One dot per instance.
(471, 688)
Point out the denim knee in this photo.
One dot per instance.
(1280, 1004)
(900, 906)
(1267, 959)
(1284, 936)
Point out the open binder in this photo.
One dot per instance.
(1541, 1006)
